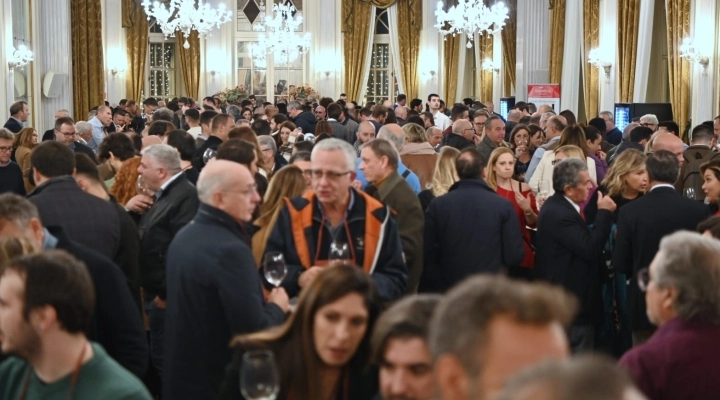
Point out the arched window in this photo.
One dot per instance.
(381, 83)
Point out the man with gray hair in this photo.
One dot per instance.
(50, 133)
(394, 134)
(303, 120)
(334, 221)
(488, 328)
(434, 137)
(568, 252)
(681, 288)
(379, 162)
(170, 201)
(612, 133)
(650, 121)
(163, 114)
(84, 132)
(213, 288)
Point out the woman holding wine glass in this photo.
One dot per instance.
(320, 353)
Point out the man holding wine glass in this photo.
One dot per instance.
(213, 289)
(334, 221)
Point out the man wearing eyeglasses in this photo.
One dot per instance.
(681, 291)
(650, 121)
(335, 223)
(65, 133)
(11, 178)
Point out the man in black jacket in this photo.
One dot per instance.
(116, 324)
(221, 126)
(214, 291)
(303, 120)
(19, 113)
(173, 204)
(643, 223)
(60, 201)
(568, 252)
(469, 230)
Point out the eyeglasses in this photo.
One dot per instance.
(264, 150)
(330, 175)
(644, 279)
(647, 125)
(4, 149)
(67, 134)
(246, 192)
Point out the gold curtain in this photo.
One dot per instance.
(628, 21)
(557, 39)
(452, 55)
(136, 24)
(409, 23)
(380, 3)
(87, 56)
(190, 63)
(485, 46)
(591, 37)
(678, 28)
(509, 43)
(356, 39)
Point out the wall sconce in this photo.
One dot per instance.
(116, 70)
(489, 65)
(429, 74)
(116, 62)
(20, 57)
(600, 61)
(326, 74)
(213, 72)
(690, 52)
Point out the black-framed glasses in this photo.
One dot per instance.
(68, 134)
(4, 149)
(330, 175)
(646, 124)
(643, 279)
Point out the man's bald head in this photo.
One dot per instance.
(629, 128)
(394, 134)
(219, 175)
(459, 126)
(544, 108)
(671, 143)
(401, 112)
(514, 115)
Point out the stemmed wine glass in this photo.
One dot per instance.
(339, 253)
(690, 193)
(274, 267)
(540, 198)
(258, 376)
(142, 187)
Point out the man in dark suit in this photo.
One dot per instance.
(213, 287)
(379, 162)
(469, 230)
(60, 201)
(19, 113)
(643, 223)
(170, 204)
(65, 133)
(221, 126)
(50, 133)
(116, 323)
(568, 252)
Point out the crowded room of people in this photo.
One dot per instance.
(360, 200)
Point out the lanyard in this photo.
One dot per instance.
(73, 380)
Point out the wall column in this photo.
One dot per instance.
(703, 82)
(533, 46)
(115, 51)
(608, 47)
(572, 57)
(431, 57)
(325, 64)
(53, 53)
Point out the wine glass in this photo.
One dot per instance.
(208, 155)
(258, 376)
(274, 267)
(689, 193)
(540, 198)
(339, 253)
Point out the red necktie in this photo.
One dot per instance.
(582, 214)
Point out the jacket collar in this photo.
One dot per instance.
(211, 215)
(417, 149)
(59, 182)
(469, 184)
(489, 142)
(392, 180)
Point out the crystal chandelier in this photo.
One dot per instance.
(20, 57)
(280, 38)
(186, 16)
(471, 17)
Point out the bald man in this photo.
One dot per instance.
(671, 143)
(544, 108)
(462, 136)
(213, 288)
(434, 137)
(320, 113)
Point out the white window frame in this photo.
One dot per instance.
(385, 40)
(159, 38)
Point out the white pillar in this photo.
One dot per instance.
(217, 53)
(642, 56)
(572, 57)
(533, 45)
(114, 51)
(498, 77)
(608, 46)
(702, 106)
(53, 53)
(431, 56)
(325, 63)
(6, 38)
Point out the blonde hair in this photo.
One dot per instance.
(445, 174)
(414, 133)
(494, 156)
(628, 161)
(572, 151)
(14, 246)
(287, 182)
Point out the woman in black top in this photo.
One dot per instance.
(322, 351)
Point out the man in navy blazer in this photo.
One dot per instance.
(19, 113)
(568, 252)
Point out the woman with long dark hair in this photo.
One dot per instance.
(322, 350)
